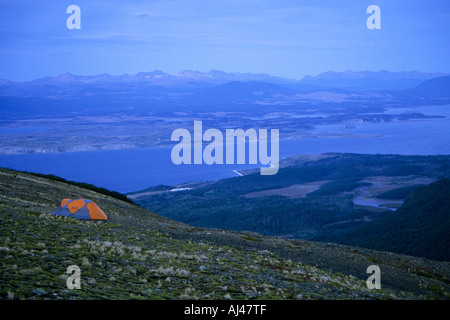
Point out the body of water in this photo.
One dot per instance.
(132, 170)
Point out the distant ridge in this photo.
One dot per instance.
(329, 77)
(370, 80)
(383, 74)
(213, 76)
(433, 88)
(157, 81)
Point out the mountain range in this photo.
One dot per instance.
(155, 77)
(200, 88)
(348, 79)
(160, 101)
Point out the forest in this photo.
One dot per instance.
(326, 212)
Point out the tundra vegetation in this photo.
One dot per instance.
(138, 254)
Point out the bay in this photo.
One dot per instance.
(137, 169)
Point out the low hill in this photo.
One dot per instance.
(237, 91)
(437, 88)
(138, 254)
(419, 227)
(369, 80)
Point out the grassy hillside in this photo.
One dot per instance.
(140, 255)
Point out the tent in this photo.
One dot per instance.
(81, 209)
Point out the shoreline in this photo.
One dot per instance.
(238, 173)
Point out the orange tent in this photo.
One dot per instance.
(81, 209)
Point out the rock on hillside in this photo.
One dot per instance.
(138, 254)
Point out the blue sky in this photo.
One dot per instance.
(281, 37)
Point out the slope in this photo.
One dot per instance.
(315, 194)
(437, 88)
(368, 80)
(419, 227)
(140, 255)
